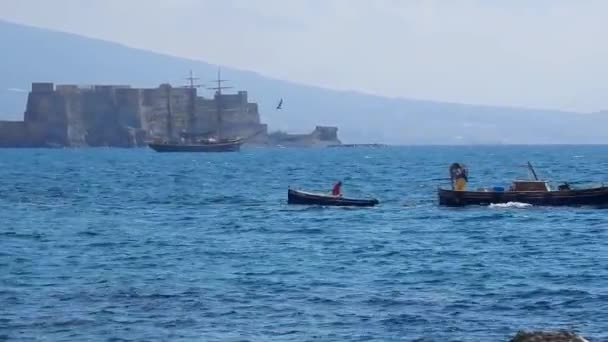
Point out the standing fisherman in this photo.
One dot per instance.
(459, 176)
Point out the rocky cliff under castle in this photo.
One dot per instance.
(121, 116)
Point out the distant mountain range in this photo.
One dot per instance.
(32, 54)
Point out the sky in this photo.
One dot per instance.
(539, 54)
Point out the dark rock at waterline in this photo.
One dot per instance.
(547, 336)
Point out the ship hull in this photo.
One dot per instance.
(215, 147)
(593, 196)
(302, 197)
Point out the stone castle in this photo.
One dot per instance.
(121, 116)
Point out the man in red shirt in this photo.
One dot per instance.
(336, 189)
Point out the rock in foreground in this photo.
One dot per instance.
(547, 336)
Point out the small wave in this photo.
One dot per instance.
(232, 199)
(74, 322)
(87, 233)
(403, 319)
(102, 244)
(33, 236)
(481, 218)
(56, 192)
(516, 205)
(307, 231)
(303, 208)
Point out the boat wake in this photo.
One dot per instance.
(516, 205)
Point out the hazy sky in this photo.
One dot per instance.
(536, 53)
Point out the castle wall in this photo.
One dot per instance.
(47, 108)
(76, 129)
(130, 114)
(116, 115)
(237, 110)
(128, 104)
(100, 117)
(206, 115)
(22, 134)
(327, 133)
(13, 133)
(321, 136)
(73, 116)
(153, 111)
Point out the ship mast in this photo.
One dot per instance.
(169, 113)
(192, 105)
(218, 100)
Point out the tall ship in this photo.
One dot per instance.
(192, 141)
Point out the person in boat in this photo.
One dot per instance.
(337, 189)
(459, 176)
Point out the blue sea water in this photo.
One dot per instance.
(131, 245)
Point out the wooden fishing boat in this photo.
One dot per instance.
(535, 192)
(590, 196)
(303, 197)
(219, 146)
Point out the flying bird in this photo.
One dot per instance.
(280, 105)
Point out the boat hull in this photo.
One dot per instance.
(593, 196)
(301, 197)
(218, 147)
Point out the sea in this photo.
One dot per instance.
(110, 244)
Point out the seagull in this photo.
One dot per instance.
(280, 105)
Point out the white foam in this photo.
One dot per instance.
(516, 205)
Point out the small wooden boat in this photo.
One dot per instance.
(535, 192)
(219, 146)
(303, 197)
